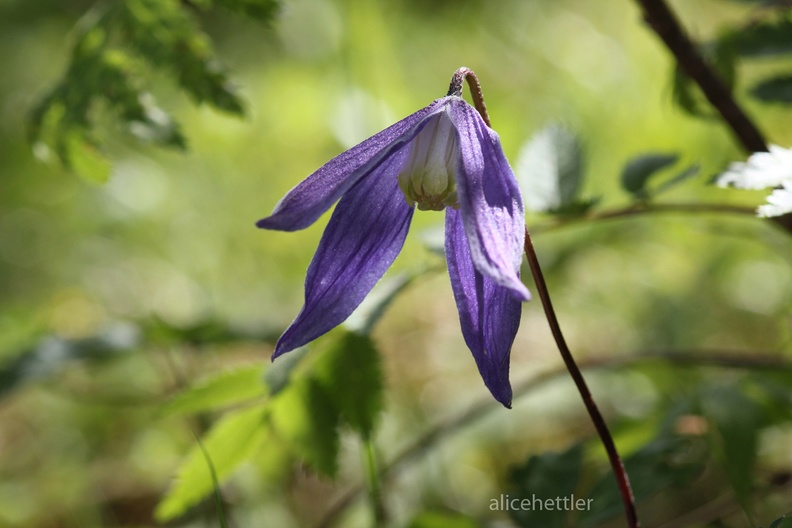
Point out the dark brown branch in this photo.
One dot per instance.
(662, 20)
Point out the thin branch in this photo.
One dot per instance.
(662, 20)
(484, 406)
(622, 479)
(648, 208)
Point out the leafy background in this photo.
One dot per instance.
(141, 139)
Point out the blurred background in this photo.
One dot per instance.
(116, 298)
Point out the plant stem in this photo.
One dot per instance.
(662, 20)
(375, 492)
(622, 479)
(599, 423)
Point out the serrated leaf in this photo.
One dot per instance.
(639, 170)
(549, 169)
(555, 475)
(775, 90)
(762, 38)
(305, 417)
(352, 376)
(229, 442)
(165, 35)
(225, 388)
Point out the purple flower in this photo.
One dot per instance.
(442, 157)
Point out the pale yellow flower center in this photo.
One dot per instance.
(428, 176)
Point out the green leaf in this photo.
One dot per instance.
(52, 354)
(664, 462)
(737, 419)
(442, 520)
(305, 417)
(352, 376)
(782, 522)
(675, 180)
(230, 441)
(279, 374)
(225, 388)
(639, 170)
(762, 38)
(378, 300)
(86, 161)
(775, 90)
(166, 35)
(215, 484)
(549, 169)
(261, 10)
(543, 477)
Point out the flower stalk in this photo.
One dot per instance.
(620, 473)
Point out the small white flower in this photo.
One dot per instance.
(778, 203)
(763, 170)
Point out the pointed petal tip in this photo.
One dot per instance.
(502, 392)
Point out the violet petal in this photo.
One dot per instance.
(362, 239)
(489, 200)
(314, 195)
(488, 313)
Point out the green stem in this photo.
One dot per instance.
(374, 489)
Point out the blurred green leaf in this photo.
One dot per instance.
(279, 374)
(215, 484)
(685, 92)
(675, 180)
(232, 386)
(378, 300)
(442, 520)
(352, 376)
(549, 169)
(107, 72)
(664, 462)
(305, 417)
(639, 170)
(775, 90)
(167, 36)
(205, 332)
(761, 38)
(544, 477)
(85, 160)
(737, 419)
(52, 353)
(782, 522)
(229, 442)
(261, 10)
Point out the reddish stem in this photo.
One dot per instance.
(596, 417)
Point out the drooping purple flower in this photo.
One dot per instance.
(443, 156)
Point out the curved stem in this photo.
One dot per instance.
(616, 463)
(474, 86)
(375, 492)
(596, 417)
